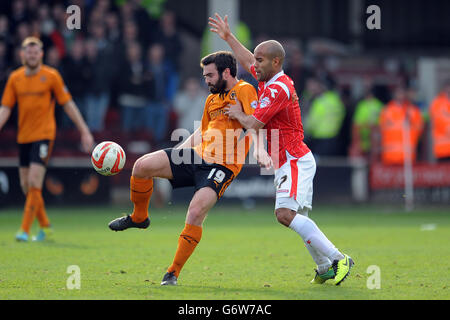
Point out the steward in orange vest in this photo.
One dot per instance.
(440, 123)
(401, 124)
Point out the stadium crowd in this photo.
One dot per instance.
(124, 71)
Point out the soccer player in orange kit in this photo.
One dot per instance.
(209, 159)
(34, 87)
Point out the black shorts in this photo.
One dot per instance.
(37, 152)
(190, 170)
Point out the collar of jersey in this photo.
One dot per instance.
(273, 79)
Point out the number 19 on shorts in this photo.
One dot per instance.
(218, 174)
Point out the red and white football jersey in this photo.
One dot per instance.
(279, 110)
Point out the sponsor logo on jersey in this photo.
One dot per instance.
(273, 92)
(264, 102)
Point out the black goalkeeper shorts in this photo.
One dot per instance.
(190, 170)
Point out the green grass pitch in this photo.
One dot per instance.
(244, 254)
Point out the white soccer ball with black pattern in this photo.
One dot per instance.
(108, 158)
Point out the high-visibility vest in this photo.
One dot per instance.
(440, 125)
(401, 126)
(325, 117)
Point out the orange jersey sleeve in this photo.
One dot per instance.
(60, 90)
(9, 98)
(248, 99)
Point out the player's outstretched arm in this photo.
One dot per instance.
(221, 27)
(5, 112)
(234, 111)
(87, 141)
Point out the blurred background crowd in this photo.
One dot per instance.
(133, 70)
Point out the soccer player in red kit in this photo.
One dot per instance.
(278, 111)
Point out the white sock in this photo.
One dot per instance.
(312, 235)
(322, 262)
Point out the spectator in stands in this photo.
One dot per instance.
(4, 67)
(58, 33)
(298, 71)
(76, 70)
(189, 104)
(21, 32)
(169, 37)
(324, 121)
(159, 72)
(440, 124)
(365, 124)
(134, 90)
(130, 35)
(46, 24)
(113, 27)
(19, 13)
(401, 125)
(52, 58)
(5, 33)
(98, 85)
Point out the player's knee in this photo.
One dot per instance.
(197, 212)
(142, 168)
(24, 186)
(284, 216)
(33, 181)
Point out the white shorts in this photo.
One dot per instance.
(294, 183)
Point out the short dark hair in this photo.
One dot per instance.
(222, 60)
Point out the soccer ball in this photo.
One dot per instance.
(108, 158)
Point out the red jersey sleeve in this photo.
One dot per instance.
(273, 100)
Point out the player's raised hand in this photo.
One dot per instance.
(220, 26)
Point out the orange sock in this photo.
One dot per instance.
(140, 193)
(41, 213)
(31, 208)
(188, 240)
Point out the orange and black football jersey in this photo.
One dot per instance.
(35, 97)
(223, 140)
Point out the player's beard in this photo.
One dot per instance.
(219, 87)
(32, 67)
